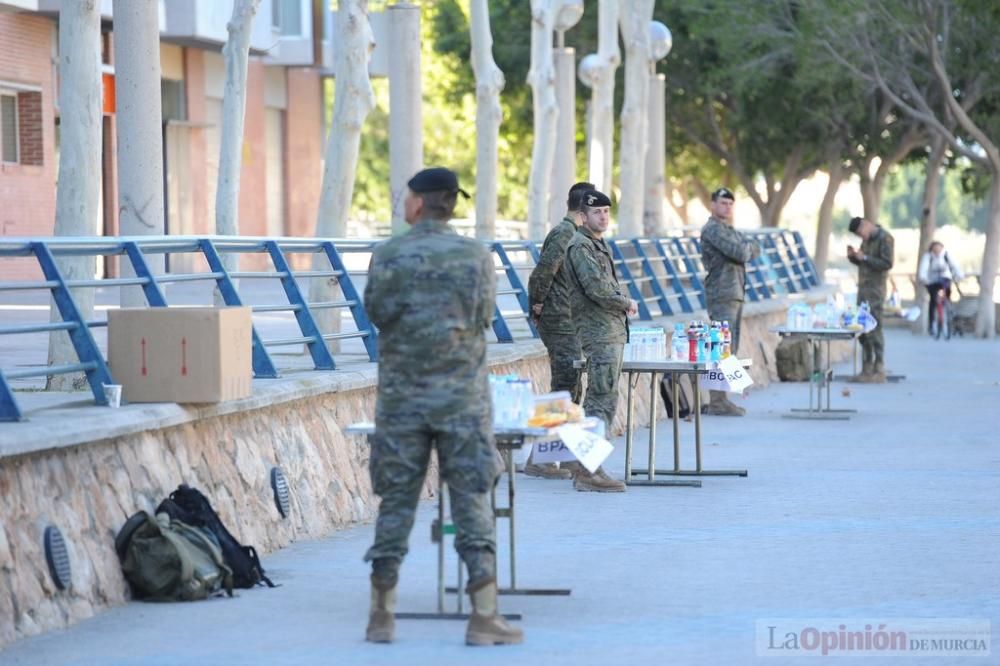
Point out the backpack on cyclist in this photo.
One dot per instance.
(190, 506)
(167, 560)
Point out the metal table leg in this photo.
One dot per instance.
(651, 470)
(822, 379)
(629, 424)
(697, 471)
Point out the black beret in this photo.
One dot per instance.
(436, 179)
(723, 193)
(854, 224)
(595, 199)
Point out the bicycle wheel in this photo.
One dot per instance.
(937, 325)
(948, 323)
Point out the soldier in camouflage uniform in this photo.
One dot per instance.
(600, 310)
(549, 292)
(431, 293)
(874, 260)
(725, 252)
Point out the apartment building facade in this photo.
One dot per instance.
(284, 125)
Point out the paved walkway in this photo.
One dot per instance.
(893, 514)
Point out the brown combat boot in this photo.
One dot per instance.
(598, 482)
(867, 369)
(720, 405)
(547, 471)
(876, 376)
(486, 626)
(381, 621)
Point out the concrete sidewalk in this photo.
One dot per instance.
(892, 514)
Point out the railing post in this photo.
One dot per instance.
(83, 342)
(361, 321)
(322, 359)
(263, 367)
(515, 283)
(692, 270)
(809, 268)
(532, 247)
(654, 281)
(675, 280)
(154, 295)
(500, 328)
(9, 411)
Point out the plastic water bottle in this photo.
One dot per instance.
(864, 313)
(679, 343)
(727, 340)
(715, 337)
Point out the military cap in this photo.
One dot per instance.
(595, 199)
(854, 224)
(436, 179)
(723, 193)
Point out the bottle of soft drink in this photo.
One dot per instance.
(693, 342)
(727, 340)
(715, 339)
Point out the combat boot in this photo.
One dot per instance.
(867, 369)
(720, 405)
(381, 621)
(547, 471)
(486, 626)
(598, 482)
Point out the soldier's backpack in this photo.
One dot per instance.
(191, 507)
(167, 560)
(685, 395)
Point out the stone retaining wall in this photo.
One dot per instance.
(87, 479)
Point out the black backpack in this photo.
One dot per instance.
(190, 506)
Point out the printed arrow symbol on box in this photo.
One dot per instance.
(144, 372)
(184, 356)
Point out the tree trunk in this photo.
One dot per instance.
(564, 160)
(406, 124)
(601, 151)
(986, 316)
(635, 35)
(489, 83)
(79, 183)
(928, 219)
(353, 101)
(237, 54)
(139, 130)
(541, 78)
(824, 223)
(678, 200)
(654, 207)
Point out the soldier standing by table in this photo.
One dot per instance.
(431, 293)
(725, 253)
(874, 260)
(549, 291)
(599, 310)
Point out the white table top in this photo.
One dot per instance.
(833, 333)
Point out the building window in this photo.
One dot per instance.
(286, 17)
(8, 128)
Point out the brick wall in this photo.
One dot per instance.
(27, 189)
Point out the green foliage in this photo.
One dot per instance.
(902, 201)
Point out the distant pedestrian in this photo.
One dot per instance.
(431, 293)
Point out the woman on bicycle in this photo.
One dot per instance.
(936, 272)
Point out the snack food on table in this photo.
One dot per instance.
(555, 409)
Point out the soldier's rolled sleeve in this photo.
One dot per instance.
(593, 284)
(882, 259)
(549, 263)
(731, 243)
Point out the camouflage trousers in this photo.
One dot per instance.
(731, 311)
(604, 367)
(400, 454)
(873, 343)
(564, 349)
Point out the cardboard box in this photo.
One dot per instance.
(181, 354)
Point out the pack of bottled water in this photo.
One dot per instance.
(646, 344)
(513, 401)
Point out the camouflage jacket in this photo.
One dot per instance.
(872, 272)
(549, 283)
(431, 293)
(597, 302)
(724, 253)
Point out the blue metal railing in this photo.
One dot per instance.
(664, 275)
